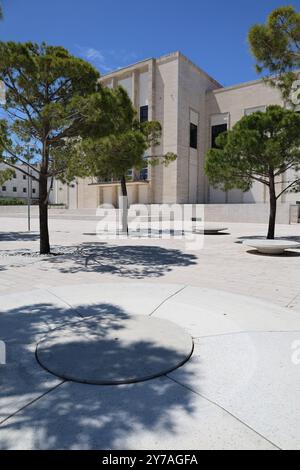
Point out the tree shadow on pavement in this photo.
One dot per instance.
(41, 411)
(134, 262)
(286, 254)
(18, 236)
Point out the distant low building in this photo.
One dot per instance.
(19, 186)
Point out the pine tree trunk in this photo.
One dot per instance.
(273, 207)
(43, 210)
(124, 186)
(124, 207)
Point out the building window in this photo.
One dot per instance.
(215, 132)
(194, 121)
(24, 177)
(143, 113)
(193, 136)
(14, 189)
(130, 175)
(144, 174)
(33, 191)
(15, 176)
(24, 190)
(3, 188)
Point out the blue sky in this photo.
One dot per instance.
(115, 33)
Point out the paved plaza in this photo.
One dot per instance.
(239, 390)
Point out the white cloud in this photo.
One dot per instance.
(95, 56)
(107, 60)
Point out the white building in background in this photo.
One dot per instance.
(193, 108)
(19, 186)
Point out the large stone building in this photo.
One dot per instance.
(193, 109)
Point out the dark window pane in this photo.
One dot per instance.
(215, 132)
(193, 136)
(144, 113)
(3, 188)
(144, 174)
(33, 190)
(24, 190)
(24, 177)
(14, 189)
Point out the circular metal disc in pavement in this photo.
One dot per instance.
(115, 351)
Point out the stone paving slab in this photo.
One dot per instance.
(158, 414)
(138, 298)
(211, 402)
(24, 319)
(223, 263)
(157, 271)
(207, 312)
(252, 376)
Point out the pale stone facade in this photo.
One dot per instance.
(233, 103)
(181, 96)
(19, 186)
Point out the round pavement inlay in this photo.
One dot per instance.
(115, 351)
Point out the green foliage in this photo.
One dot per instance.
(5, 175)
(12, 202)
(62, 124)
(46, 94)
(276, 47)
(114, 155)
(261, 147)
(117, 141)
(59, 117)
(258, 146)
(48, 98)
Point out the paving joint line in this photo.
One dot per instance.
(32, 402)
(65, 302)
(167, 299)
(224, 409)
(246, 332)
(292, 300)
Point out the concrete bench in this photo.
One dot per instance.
(207, 229)
(272, 247)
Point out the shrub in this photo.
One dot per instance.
(12, 202)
